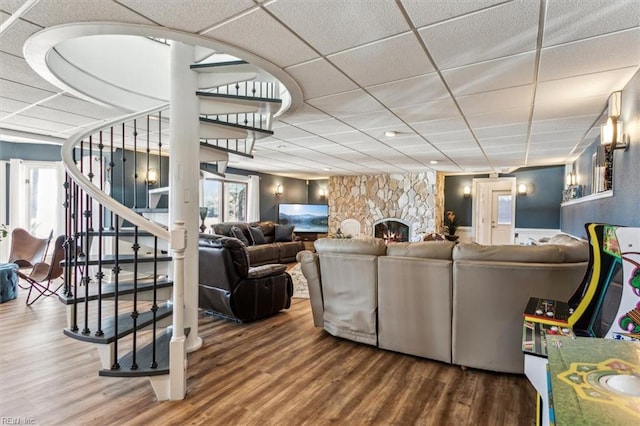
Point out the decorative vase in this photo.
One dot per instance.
(203, 215)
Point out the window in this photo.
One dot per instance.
(226, 201)
(504, 209)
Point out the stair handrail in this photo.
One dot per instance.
(106, 200)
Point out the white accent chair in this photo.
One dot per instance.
(350, 227)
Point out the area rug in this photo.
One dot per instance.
(300, 289)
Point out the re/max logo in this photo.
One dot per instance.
(17, 421)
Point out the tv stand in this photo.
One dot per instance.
(308, 238)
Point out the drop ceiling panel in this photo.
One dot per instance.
(11, 106)
(384, 61)
(422, 16)
(267, 38)
(498, 100)
(566, 108)
(325, 126)
(289, 132)
(313, 142)
(21, 73)
(492, 142)
(332, 81)
(608, 52)
(34, 124)
(500, 131)
(410, 91)
(346, 103)
(12, 41)
(375, 120)
(352, 23)
(193, 17)
(439, 126)
(562, 135)
(437, 110)
(486, 76)
(45, 14)
(351, 137)
(82, 107)
(466, 40)
(500, 118)
(379, 133)
(57, 116)
(304, 114)
(580, 123)
(566, 22)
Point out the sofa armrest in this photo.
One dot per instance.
(266, 270)
(310, 267)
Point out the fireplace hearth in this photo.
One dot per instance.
(392, 230)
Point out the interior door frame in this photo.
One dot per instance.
(481, 205)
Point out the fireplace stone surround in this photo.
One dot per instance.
(414, 198)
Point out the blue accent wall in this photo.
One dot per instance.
(29, 151)
(623, 208)
(540, 208)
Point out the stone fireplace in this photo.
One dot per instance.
(392, 230)
(411, 198)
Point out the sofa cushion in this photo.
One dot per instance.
(372, 246)
(573, 249)
(257, 235)
(237, 250)
(284, 233)
(237, 233)
(423, 249)
(263, 253)
(508, 253)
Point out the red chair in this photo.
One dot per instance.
(43, 276)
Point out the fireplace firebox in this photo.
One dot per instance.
(392, 230)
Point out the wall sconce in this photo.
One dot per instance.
(572, 179)
(466, 191)
(152, 176)
(279, 191)
(323, 193)
(612, 132)
(522, 189)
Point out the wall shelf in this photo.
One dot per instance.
(590, 197)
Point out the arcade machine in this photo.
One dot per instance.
(605, 304)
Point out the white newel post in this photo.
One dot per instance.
(177, 350)
(184, 175)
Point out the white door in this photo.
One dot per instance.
(494, 210)
(501, 217)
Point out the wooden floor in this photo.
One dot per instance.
(279, 371)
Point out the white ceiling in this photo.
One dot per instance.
(477, 85)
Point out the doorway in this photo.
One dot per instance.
(494, 211)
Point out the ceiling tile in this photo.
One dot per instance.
(495, 142)
(267, 39)
(442, 10)
(565, 22)
(21, 73)
(464, 41)
(437, 110)
(12, 40)
(304, 114)
(500, 131)
(10, 105)
(374, 120)
(332, 81)
(410, 91)
(498, 100)
(192, 17)
(565, 108)
(439, 126)
(499, 118)
(387, 60)
(346, 103)
(49, 12)
(352, 23)
(553, 125)
(325, 126)
(486, 76)
(608, 52)
(35, 124)
(350, 137)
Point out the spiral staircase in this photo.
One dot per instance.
(124, 262)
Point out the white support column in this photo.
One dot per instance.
(184, 174)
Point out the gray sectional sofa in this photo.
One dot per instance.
(455, 303)
(271, 247)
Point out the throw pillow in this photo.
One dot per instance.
(257, 235)
(284, 233)
(237, 233)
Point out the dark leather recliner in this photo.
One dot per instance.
(230, 288)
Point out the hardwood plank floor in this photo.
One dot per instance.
(279, 371)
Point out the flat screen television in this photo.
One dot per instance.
(305, 217)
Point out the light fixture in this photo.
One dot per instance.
(522, 189)
(323, 193)
(612, 132)
(390, 133)
(572, 179)
(279, 191)
(152, 176)
(466, 191)
(433, 162)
